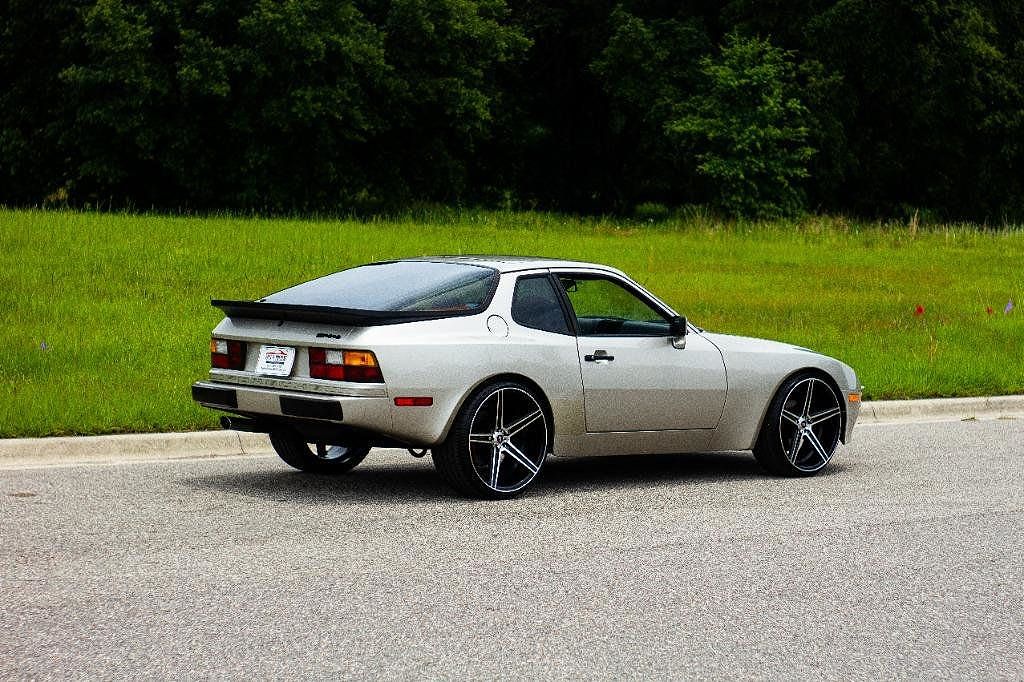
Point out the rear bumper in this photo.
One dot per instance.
(372, 414)
(370, 418)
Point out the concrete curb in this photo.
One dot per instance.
(942, 409)
(131, 447)
(157, 446)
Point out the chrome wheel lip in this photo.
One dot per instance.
(804, 448)
(500, 437)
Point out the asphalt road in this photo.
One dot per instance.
(905, 559)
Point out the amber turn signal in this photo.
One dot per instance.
(359, 358)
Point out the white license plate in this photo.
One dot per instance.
(276, 361)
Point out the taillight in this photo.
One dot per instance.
(227, 354)
(344, 365)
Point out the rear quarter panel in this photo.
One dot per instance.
(448, 359)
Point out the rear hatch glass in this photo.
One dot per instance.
(413, 286)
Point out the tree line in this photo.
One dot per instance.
(758, 108)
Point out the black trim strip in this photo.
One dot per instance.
(216, 396)
(563, 300)
(312, 409)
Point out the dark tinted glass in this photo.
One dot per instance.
(535, 304)
(403, 285)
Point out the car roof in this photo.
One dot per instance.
(515, 263)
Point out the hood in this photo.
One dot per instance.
(747, 344)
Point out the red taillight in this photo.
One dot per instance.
(227, 354)
(344, 365)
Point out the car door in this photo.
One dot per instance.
(634, 379)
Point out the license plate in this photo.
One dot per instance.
(276, 361)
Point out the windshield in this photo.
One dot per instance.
(397, 286)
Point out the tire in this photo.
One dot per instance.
(802, 427)
(498, 443)
(325, 459)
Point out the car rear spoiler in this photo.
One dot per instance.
(328, 314)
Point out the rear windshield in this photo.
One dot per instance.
(398, 286)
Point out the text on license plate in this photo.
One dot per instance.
(276, 361)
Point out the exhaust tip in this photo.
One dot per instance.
(225, 423)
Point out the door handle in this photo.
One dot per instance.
(599, 356)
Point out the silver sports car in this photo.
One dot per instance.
(492, 363)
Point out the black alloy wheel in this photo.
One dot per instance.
(498, 443)
(323, 458)
(802, 428)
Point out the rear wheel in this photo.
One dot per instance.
(322, 458)
(802, 428)
(498, 443)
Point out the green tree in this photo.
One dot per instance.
(929, 96)
(593, 105)
(748, 129)
(37, 40)
(304, 104)
(650, 64)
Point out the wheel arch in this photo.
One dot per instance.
(545, 403)
(819, 373)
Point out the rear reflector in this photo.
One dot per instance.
(424, 401)
(344, 365)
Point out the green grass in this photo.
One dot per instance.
(122, 301)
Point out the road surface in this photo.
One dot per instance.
(904, 559)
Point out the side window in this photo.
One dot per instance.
(535, 304)
(606, 308)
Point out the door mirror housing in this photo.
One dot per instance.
(677, 330)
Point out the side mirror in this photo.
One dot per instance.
(677, 330)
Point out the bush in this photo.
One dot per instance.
(651, 211)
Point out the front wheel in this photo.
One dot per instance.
(802, 427)
(324, 458)
(498, 443)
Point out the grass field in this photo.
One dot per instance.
(105, 318)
